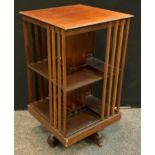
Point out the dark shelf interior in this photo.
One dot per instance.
(41, 107)
(86, 117)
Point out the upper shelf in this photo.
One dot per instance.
(74, 16)
(75, 80)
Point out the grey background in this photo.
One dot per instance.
(131, 95)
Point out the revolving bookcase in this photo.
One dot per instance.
(63, 70)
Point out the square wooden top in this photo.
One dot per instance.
(74, 16)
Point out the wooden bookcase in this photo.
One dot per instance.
(60, 46)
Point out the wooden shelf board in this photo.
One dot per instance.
(96, 64)
(41, 107)
(82, 77)
(93, 103)
(86, 118)
(39, 114)
(75, 80)
(40, 67)
(83, 119)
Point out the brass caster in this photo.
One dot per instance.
(52, 141)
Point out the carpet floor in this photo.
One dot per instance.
(121, 138)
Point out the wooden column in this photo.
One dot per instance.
(106, 69)
(49, 74)
(34, 57)
(59, 62)
(112, 64)
(40, 58)
(122, 66)
(120, 41)
(27, 55)
(54, 80)
(64, 80)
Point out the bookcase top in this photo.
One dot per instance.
(74, 16)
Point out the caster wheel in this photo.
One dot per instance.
(52, 141)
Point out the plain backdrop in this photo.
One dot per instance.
(131, 93)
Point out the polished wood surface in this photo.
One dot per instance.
(74, 16)
(28, 61)
(123, 64)
(67, 141)
(107, 54)
(62, 71)
(81, 77)
(78, 47)
(118, 59)
(49, 75)
(112, 68)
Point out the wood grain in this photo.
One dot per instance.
(112, 68)
(120, 41)
(122, 65)
(27, 55)
(64, 81)
(54, 80)
(59, 76)
(63, 56)
(107, 52)
(49, 74)
(74, 16)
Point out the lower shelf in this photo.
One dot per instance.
(80, 126)
(84, 118)
(41, 107)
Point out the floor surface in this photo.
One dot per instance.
(122, 138)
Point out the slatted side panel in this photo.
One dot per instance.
(57, 74)
(112, 63)
(117, 65)
(37, 53)
(117, 36)
(122, 64)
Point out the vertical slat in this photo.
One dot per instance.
(34, 55)
(33, 39)
(64, 80)
(39, 43)
(54, 77)
(49, 74)
(107, 52)
(44, 43)
(112, 67)
(27, 55)
(117, 64)
(59, 79)
(40, 57)
(44, 34)
(123, 63)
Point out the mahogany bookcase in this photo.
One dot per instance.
(60, 46)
